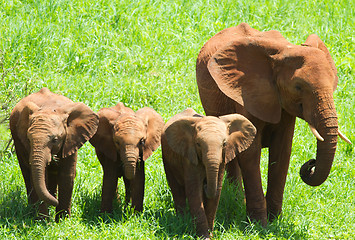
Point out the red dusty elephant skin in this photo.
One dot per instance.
(271, 82)
(195, 150)
(48, 129)
(123, 141)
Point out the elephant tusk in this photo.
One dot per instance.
(342, 136)
(316, 133)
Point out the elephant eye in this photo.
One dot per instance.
(298, 87)
(55, 139)
(224, 144)
(142, 142)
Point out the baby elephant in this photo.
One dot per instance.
(123, 141)
(195, 151)
(48, 129)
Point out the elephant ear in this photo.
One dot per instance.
(179, 135)
(155, 124)
(103, 138)
(243, 71)
(314, 41)
(24, 122)
(241, 134)
(82, 124)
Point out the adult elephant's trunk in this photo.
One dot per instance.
(39, 159)
(212, 177)
(315, 171)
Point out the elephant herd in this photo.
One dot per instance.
(252, 86)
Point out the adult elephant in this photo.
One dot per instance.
(271, 82)
(48, 129)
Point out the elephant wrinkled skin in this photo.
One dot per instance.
(123, 141)
(195, 150)
(48, 129)
(271, 82)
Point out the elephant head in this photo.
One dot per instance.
(209, 141)
(266, 74)
(53, 133)
(128, 135)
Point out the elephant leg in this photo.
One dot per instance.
(109, 182)
(127, 184)
(279, 158)
(66, 176)
(234, 174)
(52, 179)
(177, 190)
(137, 188)
(249, 162)
(211, 205)
(193, 189)
(109, 187)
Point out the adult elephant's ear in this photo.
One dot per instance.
(243, 71)
(24, 122)
(155, 124)
(241, 134)
(314, 41)
(82, 124)
(179, 134)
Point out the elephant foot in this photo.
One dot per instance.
(206, 235)
(203, 231)
(137, 208)
(42, 217)
(273, 214)
(262, 221)
(106, 211)
(137, 211)
(106, 207)
(258, 217)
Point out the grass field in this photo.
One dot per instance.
(143, 53)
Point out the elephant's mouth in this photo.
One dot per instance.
(55, 158)
(53, 161)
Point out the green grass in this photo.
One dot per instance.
(143, 53)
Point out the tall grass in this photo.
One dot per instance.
(143, 53)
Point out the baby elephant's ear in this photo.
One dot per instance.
(103, 138)
(179, 135)
(241, 134)
(23, 122)
(155, 124)
(82, 124)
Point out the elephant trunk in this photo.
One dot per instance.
(212, 169)
(39, 159)
(130, 168)
(315, 171)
